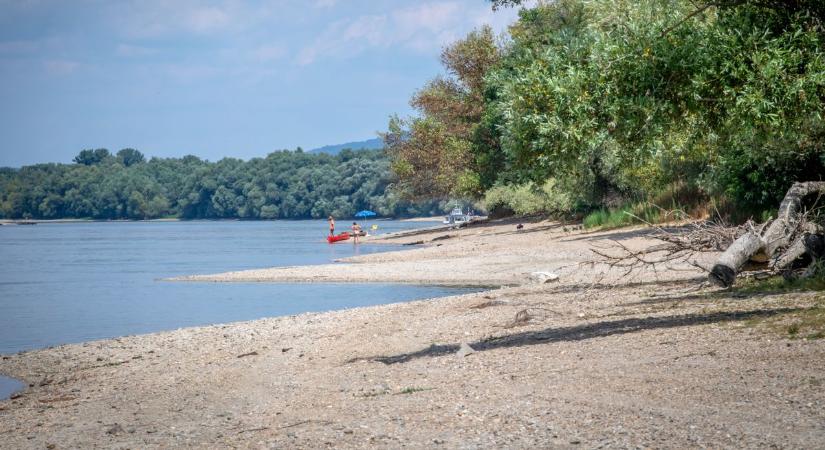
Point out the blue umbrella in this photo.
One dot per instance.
(364, 214)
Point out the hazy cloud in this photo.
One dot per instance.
(325, 3)
(268, 53)
(60, 66)
(18, 47)
(154, 18)
(134, 51)
(425, 27)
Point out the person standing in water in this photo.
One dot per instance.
(356, 231)
(331, 226)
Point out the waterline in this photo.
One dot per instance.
(9, 386)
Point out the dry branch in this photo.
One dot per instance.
(680, 245)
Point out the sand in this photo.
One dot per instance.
(605, 360)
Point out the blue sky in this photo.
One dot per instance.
(215, 78)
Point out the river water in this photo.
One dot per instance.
(75, 282)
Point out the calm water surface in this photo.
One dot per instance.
(66, 283)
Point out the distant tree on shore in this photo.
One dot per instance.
(283, 185)
(130, 156)
(91, 157)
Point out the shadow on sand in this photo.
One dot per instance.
(583, 332)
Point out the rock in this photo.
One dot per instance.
(115, 429)
(543, 277)
(464, 350)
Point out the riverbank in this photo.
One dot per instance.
(592, 359)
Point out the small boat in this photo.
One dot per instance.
(457, 217)
(340, 237)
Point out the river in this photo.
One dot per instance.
(75, 282)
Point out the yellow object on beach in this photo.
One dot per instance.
(374, 227)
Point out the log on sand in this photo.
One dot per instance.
(776, 238)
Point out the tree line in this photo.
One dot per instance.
(282, 185)
(587, 104)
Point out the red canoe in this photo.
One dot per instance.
(341, 237)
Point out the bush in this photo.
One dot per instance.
(528, 198)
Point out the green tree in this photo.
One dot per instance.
(129, 157)
(91, 157)
(432, 154)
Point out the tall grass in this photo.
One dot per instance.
(630, 214)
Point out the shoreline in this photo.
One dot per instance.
(176, 219)
(592, 359)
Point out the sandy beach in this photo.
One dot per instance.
(593, 359)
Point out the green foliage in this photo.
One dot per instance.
(528, 198)
(284, 185)
(622, 98)
(627, 215)
(433, 153)
(91, 157)
(130, 156)
(732, 98)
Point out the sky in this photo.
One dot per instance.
(225, 78)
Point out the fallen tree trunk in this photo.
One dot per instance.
(725, 270)
(781, 231)
(777, 237)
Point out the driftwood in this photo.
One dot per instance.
(784, 241)
(677, 246)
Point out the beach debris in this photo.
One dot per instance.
(248, 354)
(677, 245)
(788, 245)
(249, 430)
(60, 398)
(115, 429)
(286, 349)
(464, 350)
(488, 304)
(543, 277)
(527, 315)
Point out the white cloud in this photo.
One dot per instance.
(206, 19)
(424, 28)
(154, 18)
(433, 17)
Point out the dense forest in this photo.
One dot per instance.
(283, 185)
(600, 103)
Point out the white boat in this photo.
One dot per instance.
(457, 217)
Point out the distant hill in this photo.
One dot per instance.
(371, 144)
